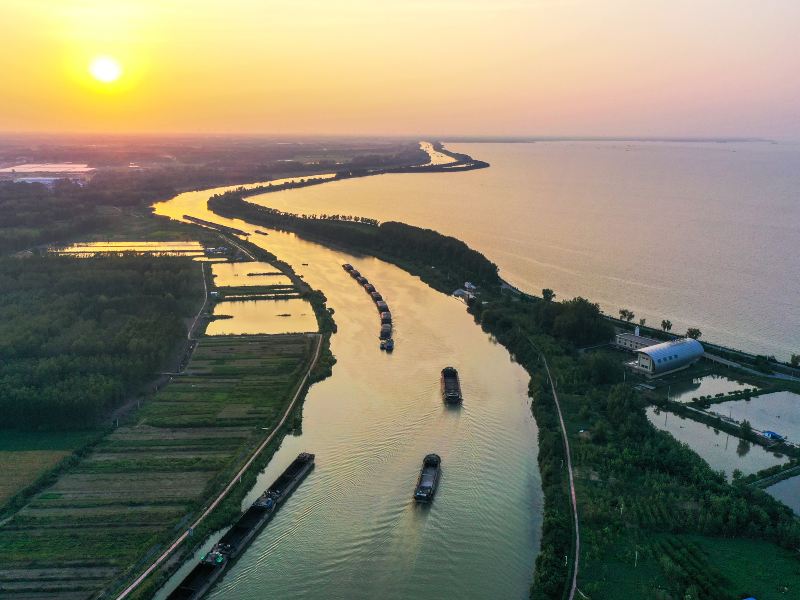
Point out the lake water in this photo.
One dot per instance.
(723, 452)
(702, 234)
(263, 316)
(351, 530)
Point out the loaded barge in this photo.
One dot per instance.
(451, 386)
(428, 478)
(385, 335)
(212, 566)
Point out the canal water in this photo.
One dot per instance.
(351, 529)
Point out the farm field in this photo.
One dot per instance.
(140, 484)
(26, 456)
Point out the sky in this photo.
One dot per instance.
(405, 67)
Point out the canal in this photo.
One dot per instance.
(351, 530)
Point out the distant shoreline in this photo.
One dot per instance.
(659, 140)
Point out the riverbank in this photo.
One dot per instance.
(607, 423)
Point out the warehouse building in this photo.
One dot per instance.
(633, 341)
(667, 357)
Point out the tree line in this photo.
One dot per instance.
(445, 260)
(78, 335)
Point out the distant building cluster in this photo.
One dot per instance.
(467, 293)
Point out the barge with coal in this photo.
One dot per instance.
(215, 562)
(451, 386)
(428, 479)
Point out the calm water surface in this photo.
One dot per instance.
(788, 492)
(351, 530)
(293, 315)
(708, 385)
(723, 452)
(247, 274)
(778, 411)
(704, 235)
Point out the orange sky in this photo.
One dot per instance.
(411, 67)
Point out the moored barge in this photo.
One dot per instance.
(428, 478)
(214, 563)
(451, 386)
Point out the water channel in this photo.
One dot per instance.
(351, 530)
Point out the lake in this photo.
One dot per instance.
(702, 234)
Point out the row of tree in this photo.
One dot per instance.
(443, 259)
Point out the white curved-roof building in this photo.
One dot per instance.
(668, 356)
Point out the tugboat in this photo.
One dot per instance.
(428, 478)
(387, 345)
(451, 386)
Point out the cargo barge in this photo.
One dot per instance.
(215, 562)
(385, 334)
(451, 386)
(428, 478)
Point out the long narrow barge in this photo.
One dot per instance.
(215, 562)
(385, 335)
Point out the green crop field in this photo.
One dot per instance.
(137, 488)
(26, 456)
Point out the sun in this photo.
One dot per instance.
(105, 69)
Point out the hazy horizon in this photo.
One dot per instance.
(549, 68)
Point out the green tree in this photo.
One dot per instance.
(548, 295)
(795, 360)
(666, 325)
(694, 333)
(642, 321)
(626, 315)
(746, 428)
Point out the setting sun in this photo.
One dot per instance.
(105, 69)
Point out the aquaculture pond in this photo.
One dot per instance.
(708, 385)
(778, 412)
(722, 451)
(187, 248)
(294, 315)
(247, 274)
(788, 492)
